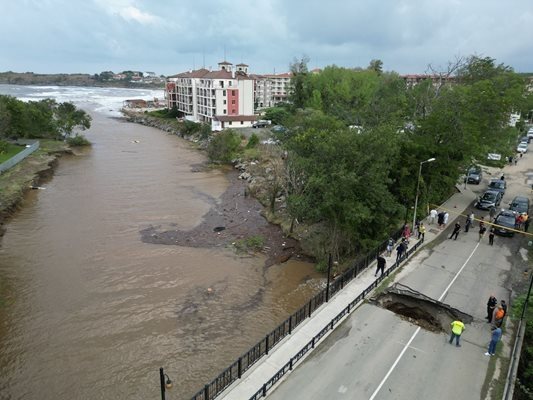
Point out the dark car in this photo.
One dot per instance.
(505, 223)
(489, 199)
(474, 175)
(498, 184)
(520, 204)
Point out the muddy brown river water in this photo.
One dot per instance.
(88, 311)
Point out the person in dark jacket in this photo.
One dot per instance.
(400, 250)
(381, 265)
(456, 230)
(491, 305)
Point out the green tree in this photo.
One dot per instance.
(68, 118)
(278, 115)
(299, 71)
(224, 146)
(376, 66)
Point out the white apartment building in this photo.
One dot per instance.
(271, 89)
(223, 98)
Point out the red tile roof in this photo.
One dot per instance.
(227, 118)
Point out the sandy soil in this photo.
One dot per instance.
(234, 217)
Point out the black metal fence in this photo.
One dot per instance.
(244, 362)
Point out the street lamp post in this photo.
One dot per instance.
(165, 384)
(418, 188)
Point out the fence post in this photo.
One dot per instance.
(290, 324)
(239, 369)
(329, 273)
(206, 392)
(267, 344)
(310, 308)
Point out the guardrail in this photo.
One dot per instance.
(244, 362)
(19, 157)
(311, 344)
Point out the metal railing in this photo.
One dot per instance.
(248, 359)
(262, 392)
(19, 157)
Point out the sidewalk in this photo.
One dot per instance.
(269, 365)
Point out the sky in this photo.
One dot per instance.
(172, 36)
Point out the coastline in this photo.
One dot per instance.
(235, 217)
(33, 171)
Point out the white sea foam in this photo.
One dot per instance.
(108, 101)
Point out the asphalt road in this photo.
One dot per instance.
(376, 354)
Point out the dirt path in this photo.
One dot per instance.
(232, 217)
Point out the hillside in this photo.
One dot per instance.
(30, 78)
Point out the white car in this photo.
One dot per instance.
(522, 148)
(530, 133)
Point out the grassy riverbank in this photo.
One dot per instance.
(15, 182)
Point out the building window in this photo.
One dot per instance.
(242, 122)
(222, 84)
(233, 92)
(232, 101)
(224, 101)
(233, 111)
(224, 111)
(224, 93)
(230, 122)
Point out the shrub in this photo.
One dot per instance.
(253, 243)
(78, 140)
(224, 146)
(3, 146)
(253, 141)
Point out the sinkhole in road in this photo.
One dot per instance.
(419, 309)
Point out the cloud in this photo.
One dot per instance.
(170, 36)
(128, 11)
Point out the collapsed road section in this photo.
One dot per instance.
(419, 309)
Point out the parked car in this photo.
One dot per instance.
(520, 204)
(489, 199)
(498, 184)
(474, 175)
(521, 148)
(505, 223)
(525, 139)
(530, 133)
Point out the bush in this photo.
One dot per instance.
(253, 141)
(224, 147)
(253, 243)
(78, 140)
(3, 146)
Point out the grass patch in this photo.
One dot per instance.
(252, 243)
(10, 151)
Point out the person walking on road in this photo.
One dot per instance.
(421, 231)
(406, 232)
(492, 213)
(433, 216)
(491, 236)
(456, 230)
(457, 329)
(399, 251)
(491, 305)
(381, 265)
(390, 246)
(482, 231)
(495, 338)
(446, 217)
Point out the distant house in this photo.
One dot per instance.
(436, 80)
(135, 103)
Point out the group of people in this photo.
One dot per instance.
(495, 315)
(441, 218)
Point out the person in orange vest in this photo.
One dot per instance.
(497, 318)
(457, 329)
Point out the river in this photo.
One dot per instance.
(87, 310)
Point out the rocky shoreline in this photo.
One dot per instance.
(234, 217)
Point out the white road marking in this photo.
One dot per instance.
(418, 329)
(414, 348)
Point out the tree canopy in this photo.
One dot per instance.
(360, 183)
(40, 119)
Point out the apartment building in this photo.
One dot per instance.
(271, 89)
(222, 98)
